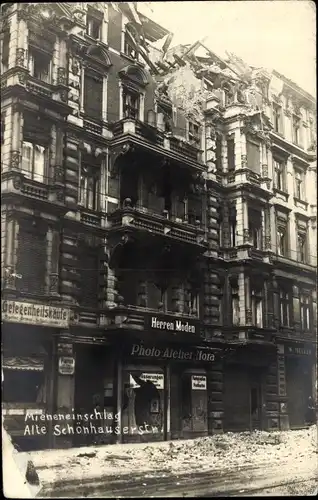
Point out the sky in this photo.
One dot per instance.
(276, 34)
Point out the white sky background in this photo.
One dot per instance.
(277, 34)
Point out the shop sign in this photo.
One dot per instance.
(34, 314)
(138, 350)
(156, 378)
(303, 351)
(167, 324)
(198, 382)
(66, 365)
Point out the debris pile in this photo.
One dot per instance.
(220, 452)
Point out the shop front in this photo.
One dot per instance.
(244, 395)
(300, 383)
(27, 350)
(165, 391)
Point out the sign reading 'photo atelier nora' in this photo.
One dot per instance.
(179, 354)
(34, 314)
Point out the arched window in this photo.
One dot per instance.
(133, 83)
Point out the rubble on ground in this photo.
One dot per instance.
(218, 452)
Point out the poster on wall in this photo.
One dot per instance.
(198, 382)
(66, 365)
(156, 378)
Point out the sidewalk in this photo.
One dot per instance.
(89, 469)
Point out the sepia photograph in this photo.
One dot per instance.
(159, 249)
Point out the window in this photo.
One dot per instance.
(93, 95)
(257, 308)
(299, 184)
(255, 228)
(228, 97)
(235, 306)
(284, 308)
(218, 153)
(5, 52)
(93, 27)
(296, 129)
(129, 47)
(277, 118)
(282, 241)
(253, 156)
(304, 312)
(194, 134)
(40, 64)
(23, 386)
(279, 175)
(89, 186)
(231, 155)
(302, 247)
(31, 260)
(34, 157)
(89, 265)
(131, 104)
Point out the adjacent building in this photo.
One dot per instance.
(158, 233)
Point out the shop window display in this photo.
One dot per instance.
(143, 403)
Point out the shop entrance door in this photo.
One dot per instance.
(298, 386)
(256, 405)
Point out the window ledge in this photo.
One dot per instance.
(301, 202)
(131, 59)
(282, 192)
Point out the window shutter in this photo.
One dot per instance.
(31, 257)
(93, 96)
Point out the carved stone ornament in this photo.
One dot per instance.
(246, 235)
(15, 159)
(22, 77)
(17, 183)
(54, 282)
(75, 67)
(19, 61)
(244, 161)
(58, 174)
(61, 76)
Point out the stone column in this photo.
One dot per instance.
(242, 298)
(248, 310)
(283, 407)
(267, 243)
(215, 398)
(72, 163)
(65, 392)
(69, 264)
(53, 250)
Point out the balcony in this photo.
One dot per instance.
(14, 183)
(295, 333)
(245, 254)
(285, 261)
(249, 335)
(150, 138)
(143, 221)
(154, 324)
(19, 80)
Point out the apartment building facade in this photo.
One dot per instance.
(151, 235)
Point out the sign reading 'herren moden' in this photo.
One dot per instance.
(34, 314)
(174, 325)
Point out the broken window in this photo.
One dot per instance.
(93, 26)
(253, 156)
(129, 47)
(89, 187)
(31, 260)
(299, 184)
(194, 134)
(39, 64)
(277, 118)
(34, 157)
(255, 228)
(302, 246)
(279, 175)
(5, 51)
(305, 312)
(131, 104)
(257, 308)
(296, 129)
(285, 300)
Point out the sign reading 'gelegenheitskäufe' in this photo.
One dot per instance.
(34, 314)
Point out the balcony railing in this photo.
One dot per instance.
(143, 219)
(154, 136)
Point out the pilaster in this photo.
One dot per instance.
(215, 398)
